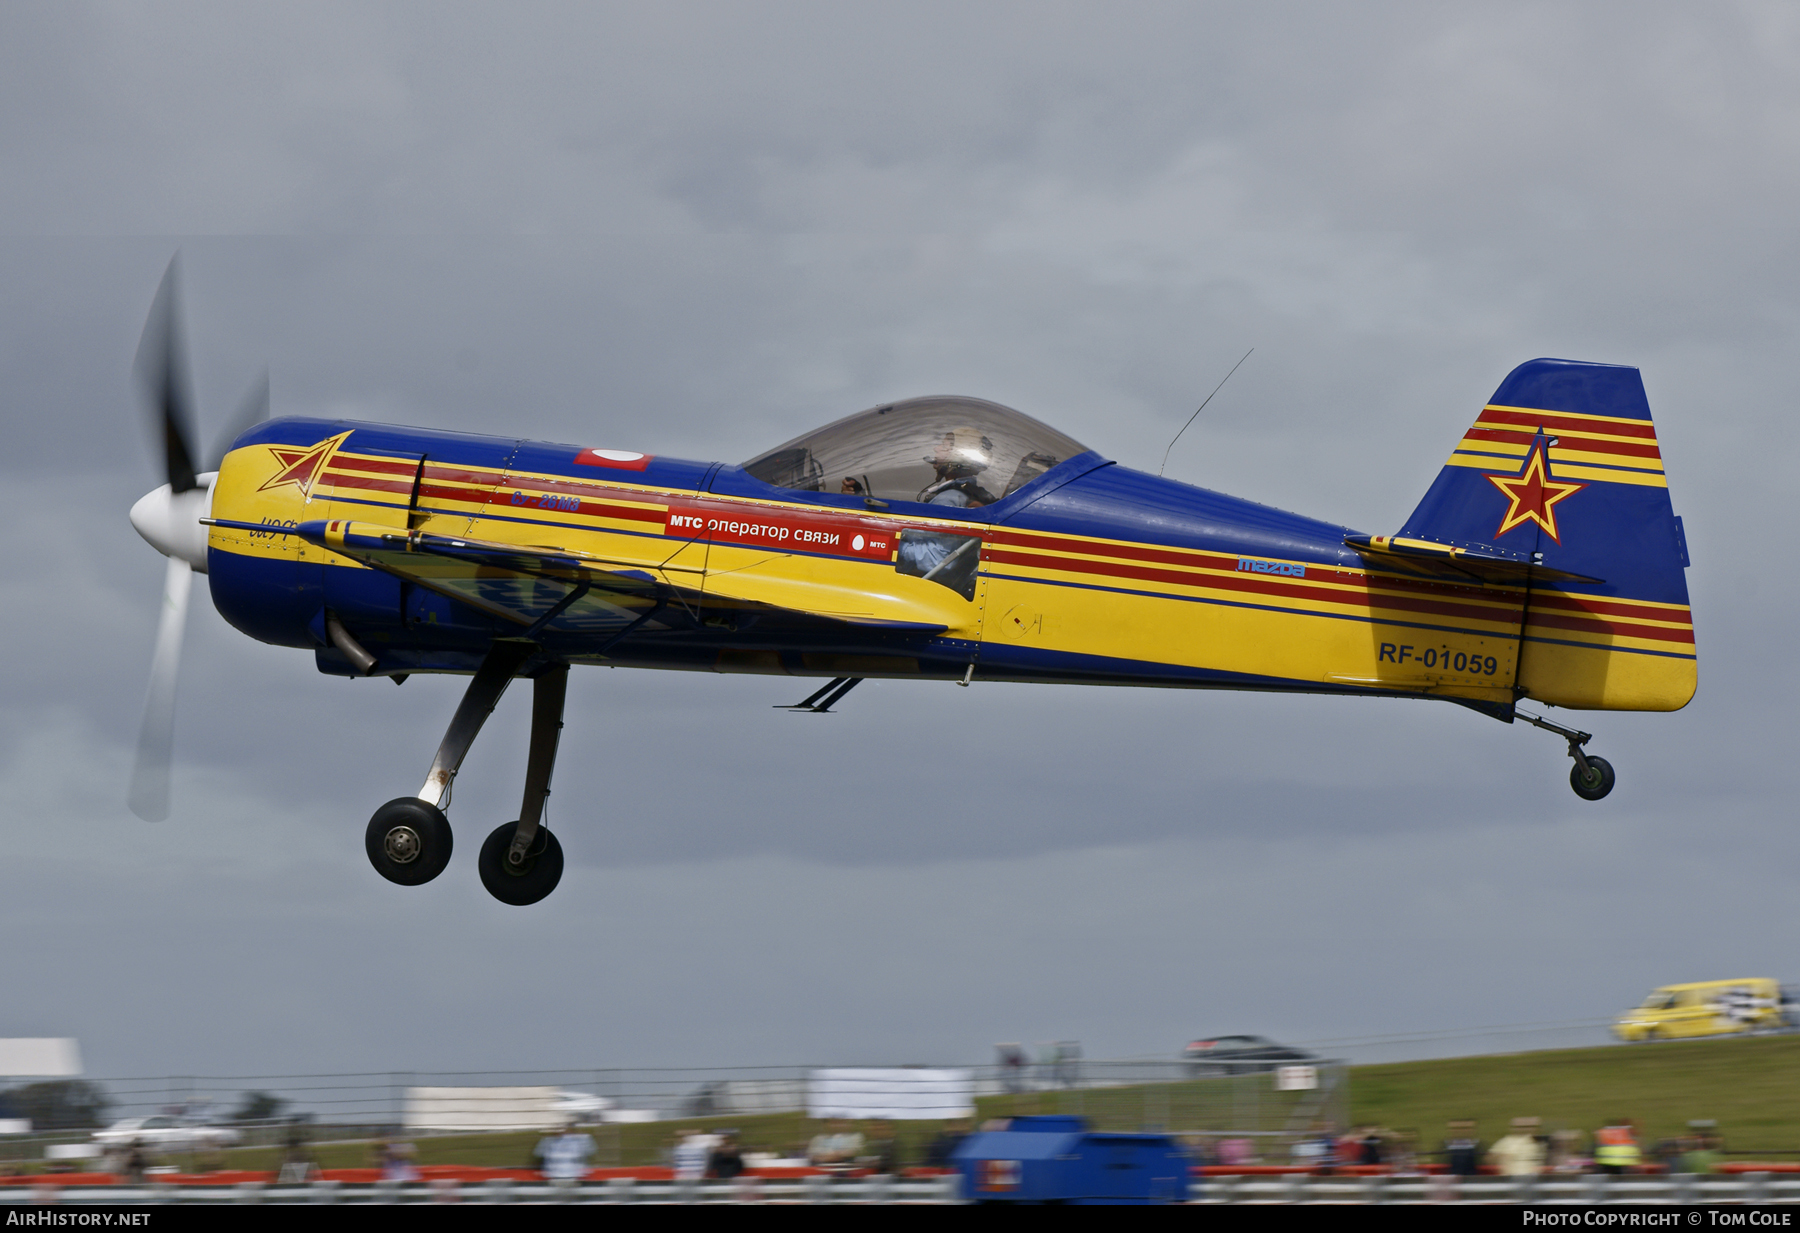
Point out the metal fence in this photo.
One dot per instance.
(1466, 1042)
(1113, 1095)
(817, 1189)
(1591, 1190)
(380, 1099)
(1486, 1041)
(1129, 1094)
(1184, 1097)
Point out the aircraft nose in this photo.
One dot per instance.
(170, 521)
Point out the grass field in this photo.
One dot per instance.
(1751, 1087)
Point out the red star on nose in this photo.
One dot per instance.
(1532, 497)
(301, 467)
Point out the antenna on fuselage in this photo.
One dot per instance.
(1202, 407)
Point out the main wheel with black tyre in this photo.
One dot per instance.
(408, 841)
(1593, 781)
(528, 881)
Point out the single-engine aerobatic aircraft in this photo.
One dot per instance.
(942, 538)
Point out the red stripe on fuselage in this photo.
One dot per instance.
(1624, 608)
(445, 492)
(589, 493)
(589, 507)
(377, 466)
(1257, 585)
(1594, 625)
(368, 483)
(461, 475)
(1206, 560)
(1127, 552)
(1370, 598)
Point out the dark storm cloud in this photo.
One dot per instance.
(699, 230)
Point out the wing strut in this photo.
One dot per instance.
(831, 694)
(561, 605)
(632, 628)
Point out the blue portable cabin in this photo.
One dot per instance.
(1059, 1160)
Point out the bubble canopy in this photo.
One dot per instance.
(913, 450)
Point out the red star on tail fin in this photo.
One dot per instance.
(1532, 497)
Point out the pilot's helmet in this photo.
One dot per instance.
(961, 452)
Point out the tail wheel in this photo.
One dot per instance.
(528, 881)
(1593, 781)
(408, 841)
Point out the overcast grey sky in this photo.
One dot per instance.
(701, 229)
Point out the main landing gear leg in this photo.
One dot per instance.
(521, 862)
(1592, 776)
(408, 839)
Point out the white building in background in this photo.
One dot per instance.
(891, 1093)
(36, 1057)
(40, 1057)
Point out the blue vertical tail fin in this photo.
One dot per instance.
(1562, 470)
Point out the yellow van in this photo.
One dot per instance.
(1708, 1008)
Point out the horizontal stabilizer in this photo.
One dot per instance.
(1442, 561)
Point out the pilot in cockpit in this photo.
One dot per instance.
(958, 458)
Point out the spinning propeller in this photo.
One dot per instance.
(169, 519)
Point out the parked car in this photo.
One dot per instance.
(1237, 1055)
(166, 1133)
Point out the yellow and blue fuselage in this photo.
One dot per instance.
(1091, 573)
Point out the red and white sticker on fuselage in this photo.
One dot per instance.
(784, 530)
(618, 460)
